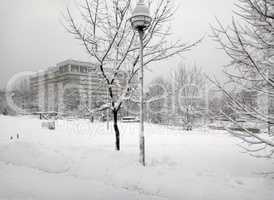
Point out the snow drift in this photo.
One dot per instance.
(34, 156)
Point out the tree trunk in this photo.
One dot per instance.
(116, 130)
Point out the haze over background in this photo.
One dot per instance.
(32, 36)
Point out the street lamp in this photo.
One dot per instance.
(140, 21)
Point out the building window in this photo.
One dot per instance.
(83, 69)
(63, 69)
(74, 68)
(66, 68)
(90, 69)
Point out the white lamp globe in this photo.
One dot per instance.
(140, 19)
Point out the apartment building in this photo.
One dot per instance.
(70, 84)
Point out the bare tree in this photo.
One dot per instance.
(189, 85)
(72, 100)
(104, 30)
(158, 101)
(249, 43)
(177, 100)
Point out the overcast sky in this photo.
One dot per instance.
(32, 36)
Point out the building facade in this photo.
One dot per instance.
(70, 85)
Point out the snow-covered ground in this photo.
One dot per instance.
(78, 161)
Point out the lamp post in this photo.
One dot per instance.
(140, 21)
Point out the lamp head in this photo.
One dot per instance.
(140, 19)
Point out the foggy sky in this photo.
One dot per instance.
(32, 36)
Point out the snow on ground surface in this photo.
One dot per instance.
(78, 161)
